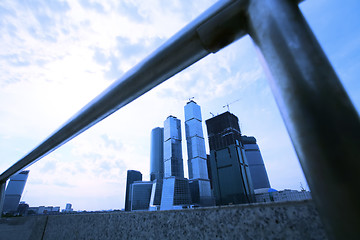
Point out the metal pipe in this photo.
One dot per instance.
(191, 44)
(320, 118)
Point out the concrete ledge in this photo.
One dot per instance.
(291, 220)
(22, 227)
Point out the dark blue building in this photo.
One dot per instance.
(256, 164)
(132, 176)
(230, 174)
(157, 154)
(14, 191)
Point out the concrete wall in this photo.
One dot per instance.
(291, 220)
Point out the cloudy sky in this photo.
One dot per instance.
(57, 55)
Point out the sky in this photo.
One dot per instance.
(57, 55)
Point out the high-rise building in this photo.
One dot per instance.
(257, 168)
(157, 154)
(198, 172)
(175, 190)
(173, 162)
(231, 178)
(140, 192)
(14, 191)
(132, 176)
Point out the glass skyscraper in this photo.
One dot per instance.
(256, 163)
(231, 178)
(157, 154)
(132, 176)
(14, 191)
(198, 172)
(175, 190)
(173, 162)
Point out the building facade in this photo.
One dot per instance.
(231, 178)
(173, 162)
(257, 168)
(14, 191)
(157, 154)
(140, 192)
(175, 189)
(286, 195)
(197, 158)
(132, 176)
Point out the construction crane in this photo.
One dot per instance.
(228, 104)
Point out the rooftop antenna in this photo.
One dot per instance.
(212, 114)
(228, 104)
(191, 98)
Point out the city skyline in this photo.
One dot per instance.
(57, 56)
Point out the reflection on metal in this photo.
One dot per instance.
(320, 118)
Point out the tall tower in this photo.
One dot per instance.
(173, 162)
(231, 179)
(256, 163)
(157, 154)
(14, 191)
(156, 167)
(132, 176)
(198, 172)
(175, 191)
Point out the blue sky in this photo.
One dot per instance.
(55, 56)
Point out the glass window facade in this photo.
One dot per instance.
(157, 154)
(140, 195)
(14, 191)
(197, 158)
(132, 176)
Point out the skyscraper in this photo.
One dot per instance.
(157, 154)
(173, 162)
(231, 178)
(175, 191)
(256, 163)
(14, 191)
(132, 176)
(198, 172)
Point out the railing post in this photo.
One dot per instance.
(2, 196)
(320, 118)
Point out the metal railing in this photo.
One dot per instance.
(323, 124)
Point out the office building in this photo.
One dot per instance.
(175, 189)
(175, 194)
(132, 176)
(50, 210)
(14, 191)
(198, 172)
(156, 154)
(23, 209)
(68, 208)
(272, 195)
(173, 162)
(156, 192)
(140, 192)
(231, 178)
(257, 168)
